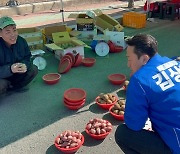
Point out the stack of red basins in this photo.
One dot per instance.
(74, 98)
(68, 61)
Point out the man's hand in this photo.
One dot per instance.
(18, 68)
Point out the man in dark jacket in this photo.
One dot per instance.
(16, 71)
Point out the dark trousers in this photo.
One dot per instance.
(17, 80)
(140, 142)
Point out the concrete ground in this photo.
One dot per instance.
(51, 15)
(26, 127)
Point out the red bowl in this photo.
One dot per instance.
(72, 57)
(70, 150)
(51, 78)
(118, 117)
(68, 57)
(64, 66)
(78, 60)
(106, 106)
(75, 94)
(117, 79)
(74, 107)
(88, 62)
(74, 103)
(98, 137)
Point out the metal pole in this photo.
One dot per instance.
(62, 11)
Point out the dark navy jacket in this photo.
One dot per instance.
(17, 53)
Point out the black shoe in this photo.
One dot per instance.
(18, 90)
(21, 90)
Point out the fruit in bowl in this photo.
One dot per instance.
(98, 128)
(105, 101)
(117, 110)
(69, 141)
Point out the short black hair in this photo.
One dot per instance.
(143, 44)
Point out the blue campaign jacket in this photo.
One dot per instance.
(154, 92)
(18, 52)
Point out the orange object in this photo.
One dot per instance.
(134, 20)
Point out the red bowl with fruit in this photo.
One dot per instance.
(101, 131)
(74, 144)
(116, 116)
(104, 105)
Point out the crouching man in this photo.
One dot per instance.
(153, 92)
(16, 70)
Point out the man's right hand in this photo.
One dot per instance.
(18, 68)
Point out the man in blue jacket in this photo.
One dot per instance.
(153, 92)
(16, 71)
